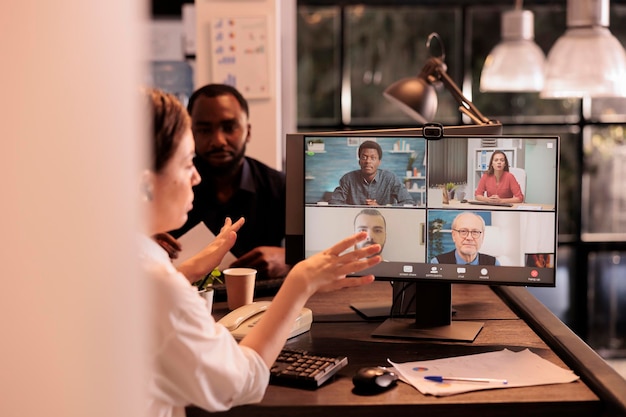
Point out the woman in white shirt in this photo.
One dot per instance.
(195, 360)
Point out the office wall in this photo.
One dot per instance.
(272, 112)
(72, 302)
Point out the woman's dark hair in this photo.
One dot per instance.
(216, 90)
(169, 122)
(506, 162)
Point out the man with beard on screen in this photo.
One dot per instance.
(371, 221)
(234, 185)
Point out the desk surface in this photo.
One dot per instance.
(338, 330)
(517, 206)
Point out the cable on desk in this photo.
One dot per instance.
(399, 303)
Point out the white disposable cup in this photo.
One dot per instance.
(207, 295)
(239, 286)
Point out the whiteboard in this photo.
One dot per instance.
(239, 55)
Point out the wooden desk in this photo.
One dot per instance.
(338, 330)
(517, 206)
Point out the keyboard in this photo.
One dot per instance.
(302, 369)
(487, 203)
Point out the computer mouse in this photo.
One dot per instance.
(374, 379)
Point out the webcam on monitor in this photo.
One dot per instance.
(432, 131)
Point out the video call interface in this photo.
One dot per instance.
(424, 206)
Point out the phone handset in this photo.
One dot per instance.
(235, 318)
(240, 321)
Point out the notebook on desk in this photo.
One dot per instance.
(488, 203)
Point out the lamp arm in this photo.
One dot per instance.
(465, 105)
(474, 118)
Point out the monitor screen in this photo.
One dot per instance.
(455, 209)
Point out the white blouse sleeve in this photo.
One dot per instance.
(197, 361)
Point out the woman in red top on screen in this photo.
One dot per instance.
(498, 185)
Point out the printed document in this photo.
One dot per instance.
(195, 240)
(519, 369)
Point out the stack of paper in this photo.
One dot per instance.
(197, 239)
(502, 369)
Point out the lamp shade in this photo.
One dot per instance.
(415, 96)
(587, 61)
(517, 63)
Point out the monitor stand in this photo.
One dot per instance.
(402, 303)
(433, 318)
(372, 310)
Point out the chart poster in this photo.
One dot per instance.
(239, 55)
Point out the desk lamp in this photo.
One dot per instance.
(417, 96)
(587, 61)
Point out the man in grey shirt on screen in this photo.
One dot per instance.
(369, 185)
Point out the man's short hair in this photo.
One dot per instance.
(370, 212)
(370, 144)
(216, 90)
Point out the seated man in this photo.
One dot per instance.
(234, 185)
(369, 185)
(468, 234)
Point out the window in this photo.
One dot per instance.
(348, 54)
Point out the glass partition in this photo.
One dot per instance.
(385, 44)
(319, 70)
(348, 54)
(603, 188)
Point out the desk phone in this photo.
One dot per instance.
(241, 320)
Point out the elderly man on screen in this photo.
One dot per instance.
(468, 234)
(369, 185)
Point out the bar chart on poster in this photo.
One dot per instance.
(240, 54)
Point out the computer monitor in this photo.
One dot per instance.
(432, 219)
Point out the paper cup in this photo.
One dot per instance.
(239, 286)
(207, 295)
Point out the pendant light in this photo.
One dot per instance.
(517, 63)
(587, 61)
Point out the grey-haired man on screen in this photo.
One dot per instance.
(468, 234)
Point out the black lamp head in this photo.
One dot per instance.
(417, 96)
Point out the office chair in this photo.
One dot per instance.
(520, 176)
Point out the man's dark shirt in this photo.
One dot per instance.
(450, 258)
(260, 200)
(385, 188)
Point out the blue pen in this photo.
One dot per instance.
(437, 378)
